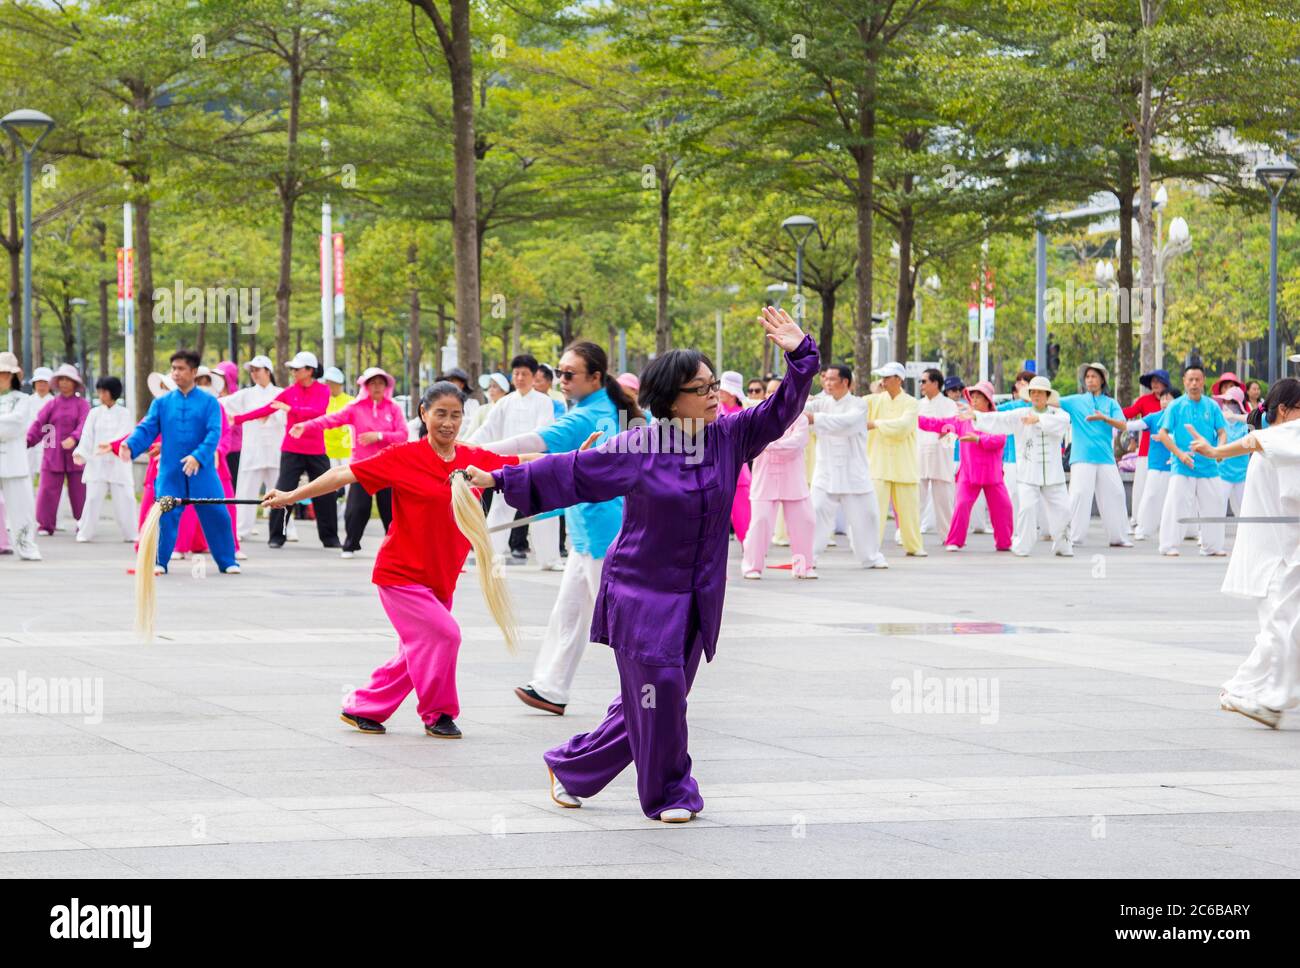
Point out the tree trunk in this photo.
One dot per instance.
(826, 342)
(13, 244)
(906, 298)
(442, 334)
(465, 216)
(1124, 277)
(864, 203)
(105, 280)
(413, 350)
(288, 192)
(1146, 254)
(663, 328)
(144, 327)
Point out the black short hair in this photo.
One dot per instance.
(443, 388)
(934, 376)
(1193, 366)
(112, 384)
(843, 369)
(525, 359)
(546, 371)
(191, 358)
(664, 378)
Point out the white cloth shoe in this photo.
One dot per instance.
(677, 815)
(560, 795)
(1250, 709)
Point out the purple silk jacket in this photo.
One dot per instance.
(66, 416)
(670, 558)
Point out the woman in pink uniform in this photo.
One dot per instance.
(731, 397)
(980, 470)
(781, 482)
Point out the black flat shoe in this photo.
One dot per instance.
(276, 543)
(363, 724)
(530, 697)
(444, 728)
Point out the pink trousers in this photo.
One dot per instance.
(740, 508)
(799, 523)
(999, 502)
(428, 641)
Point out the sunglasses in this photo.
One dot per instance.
(752, 390)
(568, 374)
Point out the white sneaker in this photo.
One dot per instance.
(232, 570)
(26, 548)
(810, 573)
(880, 564)
(554, 566)
(1121, 544)
(831, 543)
(81, 540)
(1066, 553)
(678, 815)
(1250, 709)
(1020, 554)
(1171, 553)
(240, 556)
(753, 575)
(560, 795)
(918, 554)
(347, 554)
(951, 548)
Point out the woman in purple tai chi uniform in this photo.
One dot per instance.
(660, 600)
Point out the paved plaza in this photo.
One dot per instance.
(964, 715)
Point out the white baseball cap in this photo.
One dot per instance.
(304, 359)
(487, 379)
(891, 369)
(264, 362)
(335, 375)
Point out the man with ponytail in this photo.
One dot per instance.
(598, 403)
(662, 586)
(417, 565)
(1265, 563)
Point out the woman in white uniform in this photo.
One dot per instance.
(105, 474)
(259, 460)
(1265, 562)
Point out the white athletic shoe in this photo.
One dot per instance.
(880, 564)
(1171, 553)
(554, 566)
(1067, 553)
(678, 815)
(1250, 709)
(560, 795)
(951, 548)
(25, 546)
(347, 554)
(232, 570)
(81, 540)
(159, 570)
(1121, 544)
(918, 554)
(753, 575)
(1020, 554)
(807, 573)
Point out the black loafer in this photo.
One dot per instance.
(444, 728)
(276, 543)
(530, 697)
(363, 724)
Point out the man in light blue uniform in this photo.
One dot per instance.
(1194, 485)
(1094, 417)
(189, 420)
(597, 401)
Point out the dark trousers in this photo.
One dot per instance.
(292, 467)
(519, 538)
(356, 513)
(232, 465)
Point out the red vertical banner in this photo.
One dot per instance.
(121, 274)
(338, 263)
(129, 273)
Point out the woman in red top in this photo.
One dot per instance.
(417, 565)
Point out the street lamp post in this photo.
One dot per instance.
(27, 129)
(799, 227)
(1274, 178)
(774, 294)
(1180, 241)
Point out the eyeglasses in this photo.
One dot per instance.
(568, 374)
(753, 390)
(703, 390)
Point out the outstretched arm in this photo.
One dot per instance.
(327, 483)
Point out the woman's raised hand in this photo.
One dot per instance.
(781, 329)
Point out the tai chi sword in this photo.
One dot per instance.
(171, 503)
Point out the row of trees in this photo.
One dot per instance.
(522, 174)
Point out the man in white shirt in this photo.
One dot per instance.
(841, 477)
(525, 411)
(104, 474)
(937, 466)
(259, 461)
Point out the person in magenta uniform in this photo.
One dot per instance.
(58, 429)
(661, 590)
(304, 400)
(189, 422)
(377, 422)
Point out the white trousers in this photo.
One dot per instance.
(252, 482)
(1140, 471)
(1234, 492)
(1187, 497)
(1101, 481)
(1271, 673)
(569, 628)
(20, 503)
(1046, 500)
(1153, 501)
(861, 517)
(125, 511)
(543, 536)
(937, 499)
